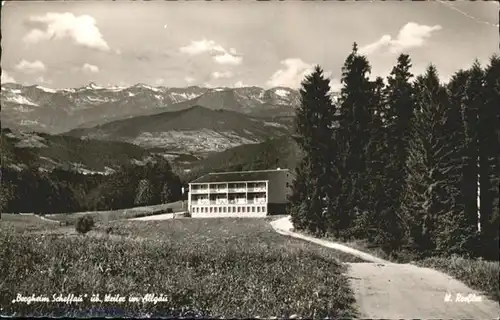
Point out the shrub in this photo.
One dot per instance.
(84, 224)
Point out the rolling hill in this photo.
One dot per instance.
(197, 130)
(20, 149)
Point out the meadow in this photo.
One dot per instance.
(228, 268)
(122, 214)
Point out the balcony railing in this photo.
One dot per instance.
(257, 201)
(199, 190)
(218, 190)
(237, 189)
(257, 189)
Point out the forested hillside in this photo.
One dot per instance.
(51, 174)
(397, 161)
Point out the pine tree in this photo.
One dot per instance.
(489, 158)
(353, 135)
(144, 193)
(474, 99)
(434, 214)
(458, 91)
(314, 130)
(398, 113)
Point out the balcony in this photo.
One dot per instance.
(218, 190)
(199, 191)
(237, 190)
(203, 202)
(257, 189)
(257, 201)
(238, 201)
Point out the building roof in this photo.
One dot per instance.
(260, 175)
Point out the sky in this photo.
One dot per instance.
(235, 43)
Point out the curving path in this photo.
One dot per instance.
(390, 290)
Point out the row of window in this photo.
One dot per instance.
(238, 209)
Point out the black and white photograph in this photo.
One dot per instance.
(247, 159)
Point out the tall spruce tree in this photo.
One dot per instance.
(314, 125)
(435, 216)
(458, 93)
(489, 159)
(369, 224)
(354, 135)
(398, 109)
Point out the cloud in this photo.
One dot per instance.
(291, 75)
(221, 75)
(411, 35)
(41, 79)
(189, 79)
(82, 30)
(6, 78)
(90, 68)
(159, 82)
(240, 84)
(294, 72)
(227, 58)
(202, 46)
(31, 67)
(218, 52)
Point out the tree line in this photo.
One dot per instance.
(61, 191)
(398, 161)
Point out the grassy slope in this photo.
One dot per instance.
(477, 274)
(211, 267)
(106, 216)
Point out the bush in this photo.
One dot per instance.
(84, 224)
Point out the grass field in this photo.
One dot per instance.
(106, 216)
(477, 274)
(203, 267)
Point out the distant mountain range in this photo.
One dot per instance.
(35, 108)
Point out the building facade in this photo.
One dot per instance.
(244, 193)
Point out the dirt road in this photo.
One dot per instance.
(390, 290)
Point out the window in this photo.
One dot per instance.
(225, 209)
(263, 209)
(253, 209)
(248, 209)
(243, 209)
(239, 209)
(258, 209)
(287, 185)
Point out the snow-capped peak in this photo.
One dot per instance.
(46, 89)
(93, 85)
(282, 92)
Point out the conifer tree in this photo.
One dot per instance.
(489, 158)
(434, 214)
(354, 135)
(314, 125)
(457, 88)
(398, 112)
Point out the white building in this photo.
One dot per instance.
(244, 193)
